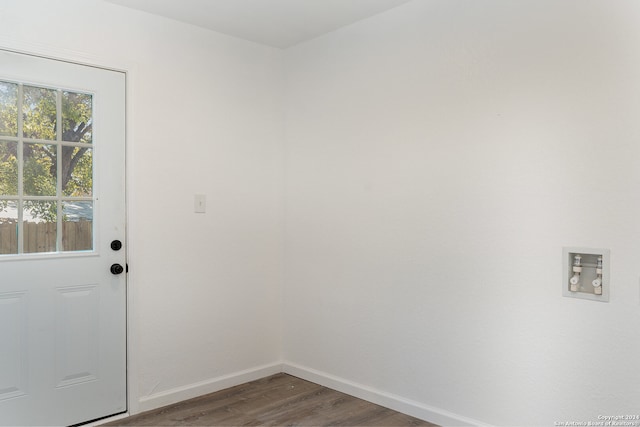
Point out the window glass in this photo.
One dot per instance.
(77, 110)
(8, 109)
(40, 226)
(40, 169)
(77, 225)
(39, 110)
(8, 168)
(46, 170)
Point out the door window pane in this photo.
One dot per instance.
(39, 110)
(40, 226)
(46, 169)
(77, 171)
(8, 168)
(8, 109)
(77, 110)
(40, 163)
(77, 226)
(8, 227)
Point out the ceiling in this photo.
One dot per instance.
(277, 23)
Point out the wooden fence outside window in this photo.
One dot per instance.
(41, 237)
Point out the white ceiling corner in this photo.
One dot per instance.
(277, 23)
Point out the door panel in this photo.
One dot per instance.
(62, 312)
(77, 350)
(13, 328)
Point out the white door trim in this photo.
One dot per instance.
(130, 70)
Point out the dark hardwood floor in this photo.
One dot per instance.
(278, 400)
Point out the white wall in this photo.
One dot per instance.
(205, 116)
(439, 156)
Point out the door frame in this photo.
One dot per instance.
(130, 70)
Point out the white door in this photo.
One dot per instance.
(62, 308)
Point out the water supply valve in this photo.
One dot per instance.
(585, 273)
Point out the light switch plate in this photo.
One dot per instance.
(588, 274)
(200, 203)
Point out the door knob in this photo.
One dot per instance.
(116, 245)
(116, 269)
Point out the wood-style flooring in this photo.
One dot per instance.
(278, 400)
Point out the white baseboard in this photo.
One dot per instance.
(392, 401)
(212, 385)
(397, 403)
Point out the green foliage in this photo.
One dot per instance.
(8, 127)
(39, 113)
(8, 109)
(44, 210)
(39, 163)
(8, 168)
(76, 117)
(40, 160)
(80, 183)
